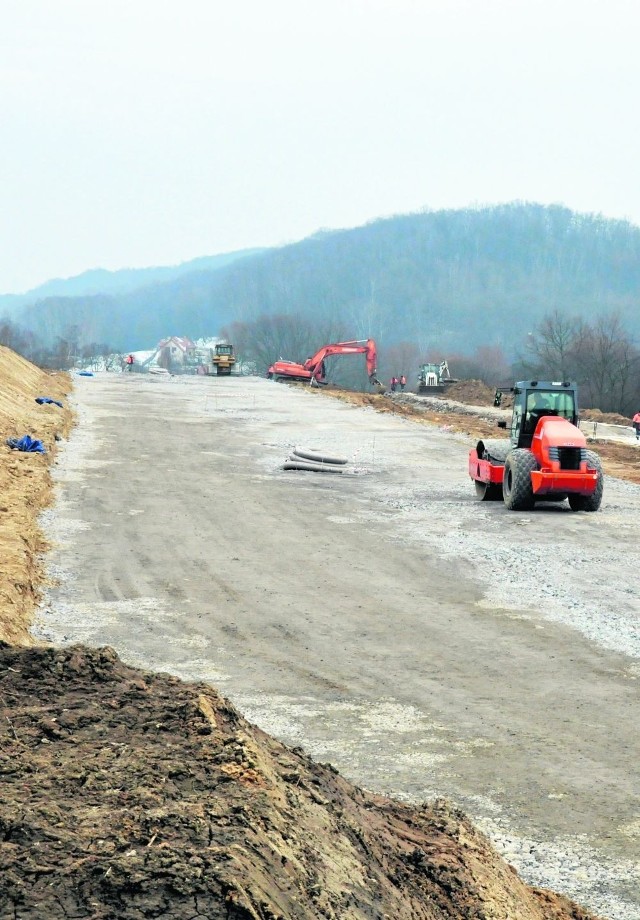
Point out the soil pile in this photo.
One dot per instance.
(476, 393)
(25, 482)
(472, 392)
(609, 418)
(132, 795)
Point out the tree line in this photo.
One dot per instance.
(449, 280)
(601, 356)
(471, 285)
(65, 352)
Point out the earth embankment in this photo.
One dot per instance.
(132, 795)
(25, 483)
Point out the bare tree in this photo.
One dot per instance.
(487, 363)
(288, 337)
(601, 356)
(403, 358)
(608, 364)
(551, 348)
(16, 338)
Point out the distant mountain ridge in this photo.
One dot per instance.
(446, 280)
(99, 281)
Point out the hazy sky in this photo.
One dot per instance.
(149, 132)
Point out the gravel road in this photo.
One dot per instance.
(424, 643)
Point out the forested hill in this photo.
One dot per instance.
(446, 280)
(100, 281)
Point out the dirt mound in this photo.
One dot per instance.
(619, 460)
(477, 393)
(25, 482)
(609, 418)
(128, 794)
(472, 392)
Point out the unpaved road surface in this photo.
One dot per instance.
(383, 619)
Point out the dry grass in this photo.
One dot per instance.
(25, 484)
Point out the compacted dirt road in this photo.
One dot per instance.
(382, 619)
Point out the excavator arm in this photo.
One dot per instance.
(313, 369)
(315, 364)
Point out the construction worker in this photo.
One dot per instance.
(403, 381)
(539, 401)
(393, 383)
(636, 425)
(538, 405)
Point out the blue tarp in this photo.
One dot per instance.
(85, 374)
(27, 443)
(45, 400)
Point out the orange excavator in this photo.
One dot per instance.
(313, 370)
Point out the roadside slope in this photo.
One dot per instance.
(25, 483)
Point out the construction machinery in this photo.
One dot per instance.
(223, 359)
(313, 371)
(433, 378)
(545, 458)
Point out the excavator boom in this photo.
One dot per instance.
(364, 346)
(313, 369)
